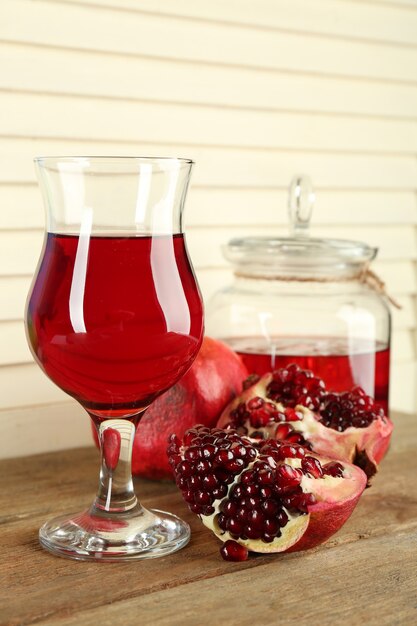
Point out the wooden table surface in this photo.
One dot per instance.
(366, 574)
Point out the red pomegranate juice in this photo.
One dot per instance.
(339, 364)
(114, 321)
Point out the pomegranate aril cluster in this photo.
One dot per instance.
(350, 408)
(255, 417)
(292, 385)
(266, 486)
(209, 463)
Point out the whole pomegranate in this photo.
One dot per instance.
(262, 496)
(291, 404)
(200, 396)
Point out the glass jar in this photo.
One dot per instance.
(308, 301)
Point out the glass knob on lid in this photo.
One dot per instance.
(306, 300)
(298, 256)
(301, 199)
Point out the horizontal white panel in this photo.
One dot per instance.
(403, 346)
(13, 292)
(44, 428)
(33, 68)
(228, 167)
(19, 250)
(14, 347)
(404, 4)
(399, 277)
(402, 387)
(39, 115)
(21, 206)
(325, 17)
(27, 385)
(214, 207)
(86, 27)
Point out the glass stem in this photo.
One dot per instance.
(115, 490)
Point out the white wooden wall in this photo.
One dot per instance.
(254, 91)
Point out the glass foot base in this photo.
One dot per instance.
(139, 534)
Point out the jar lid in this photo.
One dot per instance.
(299, 254)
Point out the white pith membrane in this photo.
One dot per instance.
(326, 489)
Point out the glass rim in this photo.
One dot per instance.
(51, 159)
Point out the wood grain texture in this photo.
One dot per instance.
(364, 575)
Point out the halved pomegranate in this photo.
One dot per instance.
(347, 426)
(268, 496)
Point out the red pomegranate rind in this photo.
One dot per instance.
(213, 380)
(268, 496)
(363, 446)
(325, 521)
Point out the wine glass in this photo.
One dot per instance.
(114, 317)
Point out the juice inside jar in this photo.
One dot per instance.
(341, 363)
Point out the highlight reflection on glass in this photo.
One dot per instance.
(115, 318)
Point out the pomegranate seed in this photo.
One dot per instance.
(251, 532)
(248, 477)
(202, 466)
(208, 451)
(255, 403)
(271, 526)
(193, 453)
(235, 466)
(283, 430)
(185, 469)
(202, 497)
(223, 456)
(270, 507)
(233, 551)
(252, 490)
(312, 466)
(333, 469)
(256, 518)
(235, 526)
(219, 492)
(209, 481)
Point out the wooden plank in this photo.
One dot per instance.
(323, 17)
(376, 595)
(97, 75)
(38, 588)
(42, 116)
(152, 36)
(228, 167)
(209, 206)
